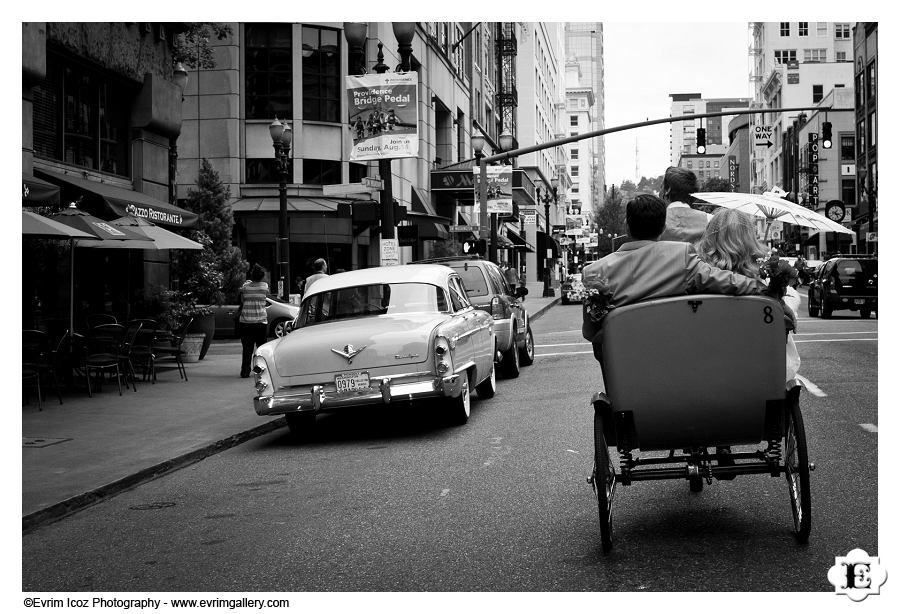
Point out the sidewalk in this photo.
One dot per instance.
(88, 449)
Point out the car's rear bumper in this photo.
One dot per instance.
(852, 302)
(383, 390)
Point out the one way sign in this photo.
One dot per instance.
(762, 136)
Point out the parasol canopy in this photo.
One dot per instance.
(35, 225)
(159, 238)
(100, 229)
(772, 208)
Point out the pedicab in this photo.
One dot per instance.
(686, 378)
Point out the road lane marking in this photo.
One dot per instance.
(563, 354)
(812, 388)
(445, 492)
(554, 345)
(856, 332)
(869, 427)
(573, 451)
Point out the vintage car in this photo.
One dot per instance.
(374, 337)
(489, 290)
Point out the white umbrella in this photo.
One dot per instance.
(160, 238)
(771, 207)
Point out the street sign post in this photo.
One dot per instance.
(762, 136)
(464, 228)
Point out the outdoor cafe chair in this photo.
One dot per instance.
(38, 362)
(142, 349)
(96, 319)
(173, 350)
(102, 345)
(126, 349)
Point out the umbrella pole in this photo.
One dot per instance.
(71, 286)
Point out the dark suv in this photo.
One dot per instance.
(844, 283)
(489, 291)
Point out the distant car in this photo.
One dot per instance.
(489, 291)
(377, 336)
(844, 283)
(280, 314)
(571, 289)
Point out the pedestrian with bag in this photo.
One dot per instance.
(251, 319)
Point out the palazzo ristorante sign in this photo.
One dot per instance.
(154, 215)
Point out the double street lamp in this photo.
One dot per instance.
(281, 140)
(550, 195)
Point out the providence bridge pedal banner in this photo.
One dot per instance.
(384, 115)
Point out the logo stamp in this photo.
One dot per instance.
(857, 575)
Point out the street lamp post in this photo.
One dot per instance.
(355, 33)
(281, 140)
(550, 195)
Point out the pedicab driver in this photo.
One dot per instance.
(645, 268)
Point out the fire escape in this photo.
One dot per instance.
(507, 95)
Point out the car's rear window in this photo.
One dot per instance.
(849, 270)
(473, 280)
(372, 300)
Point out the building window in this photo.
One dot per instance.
(321, 172)
(783, 56)
(860, 90)
(574, 188)
(816, 93)
(574, 172)
(821, 28)
(268, 71)
(840, 56)
(707, 164)
(716, 164)
(785, 28)
(814, 55)
(574, 154)
(870, 130)
(690, 164)
(847, 152)
(870, 81)
(842, 31)
(573, 120)
(848, 191)
(573, 134)
(321, 75)
(81, 117)
(357, 172)
(459, 56)
(861, 136)
(803, 28)
(263, 170)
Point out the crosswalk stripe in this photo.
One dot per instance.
(869, 427)
(813, 389)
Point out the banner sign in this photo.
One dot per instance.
(530, 219)
(390, 252)
(383, 116)
(499, 188)
(812, 178)
(585, 241)
(464, 228)
(732, 173)
(574, 224)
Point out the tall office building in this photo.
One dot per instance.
(584, 45)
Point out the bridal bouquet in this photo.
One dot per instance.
(596, 299)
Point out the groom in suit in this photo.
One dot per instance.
(646, 267)
(682, 222)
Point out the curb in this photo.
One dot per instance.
(537, 314)
(60, 510)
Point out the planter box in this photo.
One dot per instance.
(191, 346)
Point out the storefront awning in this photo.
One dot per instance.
(544, 243)
(520, 242)
(306, 204)
(38, 192)
(128, 202)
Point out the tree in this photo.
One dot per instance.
(191, 47)
(610, 218)
(216, 271)
(716, 184)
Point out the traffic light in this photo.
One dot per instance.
(826, 135)
(475, 247)
(701, 140)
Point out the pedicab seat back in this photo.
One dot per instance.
(695, 370)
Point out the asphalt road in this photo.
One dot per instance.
(396, 500)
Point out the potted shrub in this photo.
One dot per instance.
(178, 308)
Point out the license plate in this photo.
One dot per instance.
(859, 301)
(350, 382)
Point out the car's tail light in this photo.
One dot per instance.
(497, 310)
(443, 361)
(261, 376)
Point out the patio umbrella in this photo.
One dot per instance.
(98, 229)
(771, 207)
(35, 225)
(159, 238)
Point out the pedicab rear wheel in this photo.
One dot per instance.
(604, 482)
(796, 470)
